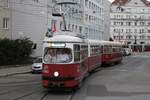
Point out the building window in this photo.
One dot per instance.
(4, 3)
(90, 18)
(142, 23)
(5, 22)
(135, 30)
(135, 23)
(86, 3)
(86, 17)
(148, 37)
(68, 26)
(114, 37)
(53, 1)
(121, 23)
(148, 23)
(72, 27)
(76, 28)
(36, 0)
(128, 37)
(60, 25)
(89, 4)
(80, 29)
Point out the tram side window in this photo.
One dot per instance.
(118, 49)
(76, 53)
(108, 49)
(95, 50)
(114, 49)
(84, 51)
(102, 49)
(91, 50)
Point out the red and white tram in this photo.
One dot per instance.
(67, 60)
(111, 52)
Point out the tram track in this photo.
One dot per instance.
(71, 97)
(27, 94)
(10, 87)
(16, 81)
(53, 94)
(45, 95)
(7, 75)
(19, 88)
(22, 83)
(19, 84)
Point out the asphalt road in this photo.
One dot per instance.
(129, 80)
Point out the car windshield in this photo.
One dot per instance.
(57, 55)
(38, 60)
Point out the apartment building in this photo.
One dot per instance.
(130, 21)
(32, 18)
(86, 17)
(4, 19)
(106, 34)
(26, 18)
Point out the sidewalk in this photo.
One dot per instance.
(142, 53)
(15, 70)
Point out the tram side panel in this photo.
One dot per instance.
(106, 54)
(94, 59)
(117, 55)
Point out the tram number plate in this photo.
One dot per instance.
(57, 84)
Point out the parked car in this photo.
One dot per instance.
(37, 65)
(126, 51)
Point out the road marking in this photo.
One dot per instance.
(121, 70)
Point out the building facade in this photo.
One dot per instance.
(106, 34)
(86, 17)
(130, 23)
(28, 18)
(94, 18)
(5, 16)
(32, 18)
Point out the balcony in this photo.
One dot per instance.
(67, 1)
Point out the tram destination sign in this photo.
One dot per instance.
(57, 45)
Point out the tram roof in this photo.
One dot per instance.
(94, 41)
(64, 38)
(110, 43)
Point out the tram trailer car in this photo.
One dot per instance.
(111, 52)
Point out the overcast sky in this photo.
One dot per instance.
(113, 0)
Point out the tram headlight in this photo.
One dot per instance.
(56, 74)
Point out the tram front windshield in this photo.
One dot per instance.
(57, 55)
